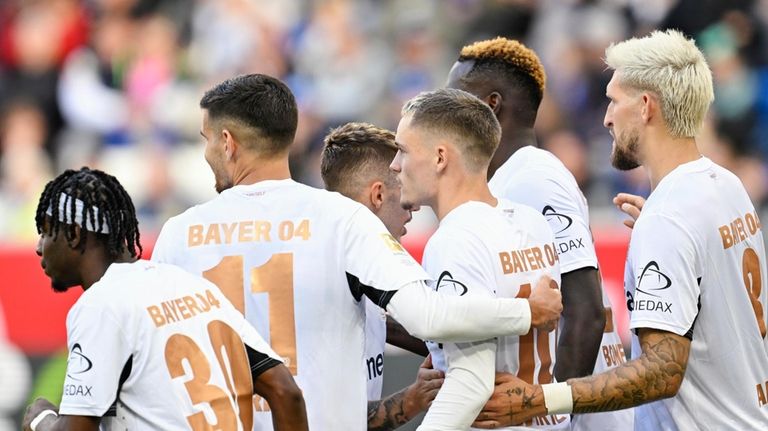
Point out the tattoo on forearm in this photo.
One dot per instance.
(656, 374)
(387, 414)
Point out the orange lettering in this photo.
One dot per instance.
(262, 231)
(191, 305)
(245, 231)
(506, 264)
(740, 229)
(725, 234)
(537, 255)
(156, 315)
(212, 236)
(761, 400)
(182, 308)
(195, 236)
(228, 229)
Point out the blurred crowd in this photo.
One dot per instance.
(115, 84)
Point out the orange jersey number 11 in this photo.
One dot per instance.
(275, 278)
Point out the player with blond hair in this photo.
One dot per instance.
(695, 276)
(445, 141)
(509, 77)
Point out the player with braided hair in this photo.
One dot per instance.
(145, 340)
(78, 195)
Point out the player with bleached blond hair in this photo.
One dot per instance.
(695, 276)
(510, 78)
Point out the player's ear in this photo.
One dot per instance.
(78, 239)
(376, 195)
(647, 107)
(441, 157)
(230, 144)
(494, 101)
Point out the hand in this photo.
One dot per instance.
(630, 205)
(546, 304)
(419, 396)
(34, 409)
(513, 403)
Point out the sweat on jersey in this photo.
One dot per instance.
(537, 178)
(295, 259)
(696, 267)
(145, 352)
(498, 252)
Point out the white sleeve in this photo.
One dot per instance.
(573, 238)
(98, 351)
(665, 287)
(468, 385)
(375, 257)
(428, 315)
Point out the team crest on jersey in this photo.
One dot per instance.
(77, 363)
(392, 243)
(558, 222)
(446, 283)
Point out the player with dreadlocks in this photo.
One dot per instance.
(145, 339)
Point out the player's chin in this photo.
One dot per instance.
(59, 287)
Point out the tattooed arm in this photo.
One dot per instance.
(399, 408)
(655, 375)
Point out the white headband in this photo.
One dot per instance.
(63, 216)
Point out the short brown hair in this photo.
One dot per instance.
(355, 154)
(462, 115)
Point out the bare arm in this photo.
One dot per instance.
(656, 374)
(398, 336)
(56, 423)
(583, 324)
(401, 407)
(285, 400)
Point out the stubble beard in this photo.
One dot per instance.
(625, 149)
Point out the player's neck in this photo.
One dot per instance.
(462, 189)
(663, 154)
(512, 139)
(257, 169)
(96, 262)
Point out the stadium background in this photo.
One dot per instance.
(115, 84)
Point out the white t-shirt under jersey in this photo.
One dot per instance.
(696, 266)
(162, 328)
(476, 248)
(537, 178)
(288, 255)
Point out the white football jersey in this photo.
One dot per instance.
(375, 342)
(500, 252)
(537, 178)
(293, 259)
(152, 347)
(696, 267)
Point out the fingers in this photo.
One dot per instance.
(628, 198)
(629, 223)
(428, 375)
(427, 362)
(486, 424)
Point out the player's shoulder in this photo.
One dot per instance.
(533, 175)
(520, 213)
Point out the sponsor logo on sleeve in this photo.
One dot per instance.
(447, 284)
(77, 363)
(558, 222)
(651, 282)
